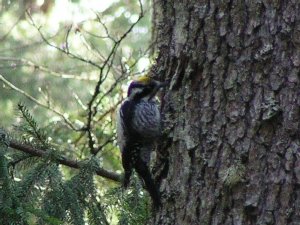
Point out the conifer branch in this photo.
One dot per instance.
(62, 160)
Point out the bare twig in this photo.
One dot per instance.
(13, 26)
(94, 35)
(70, 54)
(104, 70)
(67, 38)
(110, 110)
(99, 148)
(46, 106)
(63, 161)
(26, 62)
(24, 46)
(79, 102)
(105, 27)
(107, 64)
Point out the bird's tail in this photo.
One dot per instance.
(143, 171)
(126, 178)
(127, 165)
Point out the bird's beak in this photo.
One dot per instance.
(161, 85)
(158, 86)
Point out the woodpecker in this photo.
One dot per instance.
(138, 127)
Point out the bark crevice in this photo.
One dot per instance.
(232, 112)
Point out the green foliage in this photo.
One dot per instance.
(42, 195)
(131, 206)
(61, 73)
(9, 204)
(30, 130)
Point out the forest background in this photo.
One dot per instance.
(64, 69)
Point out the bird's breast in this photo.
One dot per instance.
(147, 121)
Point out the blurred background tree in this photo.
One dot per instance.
(64, 68)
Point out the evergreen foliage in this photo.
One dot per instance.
(10, 211)
(131, 207)
(30, 131)
(41, 195)
(71, 77)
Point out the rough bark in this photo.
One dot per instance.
(231, 150)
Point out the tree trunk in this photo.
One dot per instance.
(231, 149)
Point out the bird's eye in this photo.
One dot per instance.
(135, 88)
(137, 85)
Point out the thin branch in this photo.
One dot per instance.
(21, 47)
(112, 87)
(70, 54)
(105, 27)
(15, 162)
(67, 38)
(63, 161)
(110, 110)
(78, 100)
(27, 62)
(99, 148)
(92, 109)
(94, 35)
(67, 121)
(13, 26)
(104, 70)
(91, 47)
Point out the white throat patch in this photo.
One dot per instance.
(135, 91)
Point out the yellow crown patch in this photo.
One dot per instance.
(144, 79)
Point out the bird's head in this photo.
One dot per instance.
(144, 87)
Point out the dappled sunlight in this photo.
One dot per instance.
(63, 65)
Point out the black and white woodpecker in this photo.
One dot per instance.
(138, 127)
